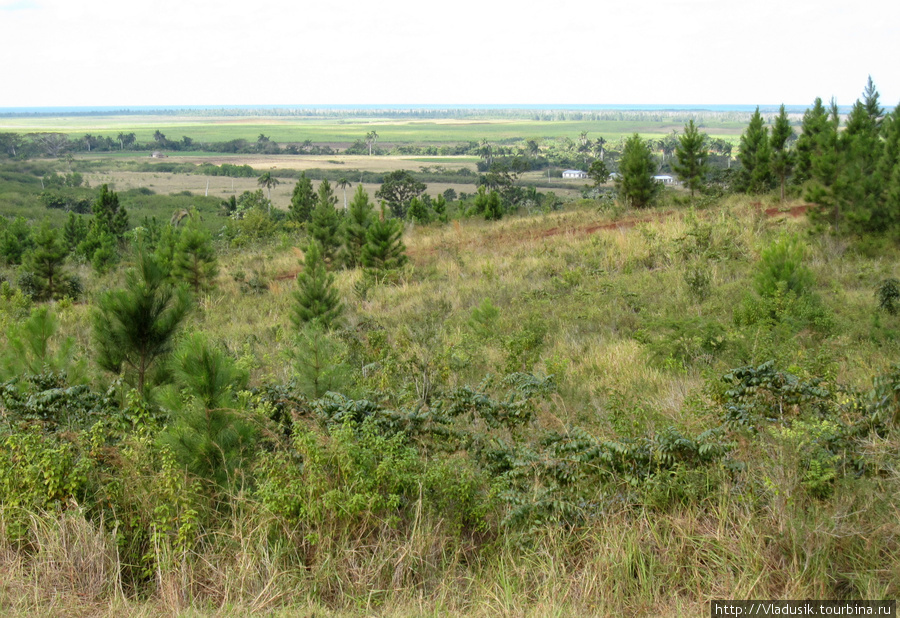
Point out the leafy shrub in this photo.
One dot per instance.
(763, 394)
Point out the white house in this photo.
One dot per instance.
(574, 174)
(666, 180)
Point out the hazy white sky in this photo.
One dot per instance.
(258, 52)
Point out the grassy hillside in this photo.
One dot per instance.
(538, 416)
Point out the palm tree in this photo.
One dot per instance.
(371, 138)
(486, 153)
(343, 183)
(599, 145)
(267, 180)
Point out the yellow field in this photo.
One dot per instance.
(222, 186)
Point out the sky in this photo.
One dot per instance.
(171, 53)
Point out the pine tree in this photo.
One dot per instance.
(109, 215)
(493, 210)
(635, 182)
(890, 156)
(417, 211)
(326, 223)
(755, 156)
(782, 157)
(889, 166)
(15, 240)
(440, 207)
(164, 252)
(75, 230)
(859, 187)
(194, 261)
(106, 232)
(690, 157)
(208, 435)
(135, 326)
(326, 193)
(316, 298)
(303, 200)
(815, 122)
(384, 248)
(317, 359)
(356, 224)
(46, 262)
(33, 347)
(479, 205)
(825, 161)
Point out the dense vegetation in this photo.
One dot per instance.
(459, 406)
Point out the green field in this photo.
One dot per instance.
(393, 131)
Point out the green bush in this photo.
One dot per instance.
(781, 270)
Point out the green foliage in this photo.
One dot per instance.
(15, 240)
(763, 394)
(635, 182)
(685, 341)
(853, 173)
(691, 154)
(698, 281)
(210, 435)
(816, 133)
(319, 362)
(781, 268)
(194, 259)
(493, 209)
(75, 231)
(349, 478)
(784, 285)
(134, 327)
(384, 248)
(31, 348)
(106, 231)
(439, 206)
(523, 348)
(397, 189)
(888, 294)
(325, 225)
(356, 224)
(755, 175)
(782, 157)
(418, 211)
(46, 263)
(40, 471)
(109, 216)
(252, 225)
(268, 181)
(316, 299)
(484, 319)
(598, 172)
(303, 200)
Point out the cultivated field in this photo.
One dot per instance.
(345, 131)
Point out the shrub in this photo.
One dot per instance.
(781, 269)
(888, 295)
